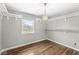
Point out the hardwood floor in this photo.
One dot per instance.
(45, 47)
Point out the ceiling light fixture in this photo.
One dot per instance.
(45, 17)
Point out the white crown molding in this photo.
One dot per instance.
(65, 16)
(4, 12)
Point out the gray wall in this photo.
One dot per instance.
(0, 31)
(12, 28)
(65, 32)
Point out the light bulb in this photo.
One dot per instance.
(45, 17)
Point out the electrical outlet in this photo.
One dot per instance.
(75, 43)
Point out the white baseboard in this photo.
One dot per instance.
(21, 45)
(38, 41)
(63, 44)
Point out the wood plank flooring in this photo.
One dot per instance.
(45, 47)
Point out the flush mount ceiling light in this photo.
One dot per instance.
(45, 17)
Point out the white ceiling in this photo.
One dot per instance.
(53, 9)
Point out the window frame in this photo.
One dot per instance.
(23, 27)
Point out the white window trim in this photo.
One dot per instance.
(27, 32)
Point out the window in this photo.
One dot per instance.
(27, 26)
